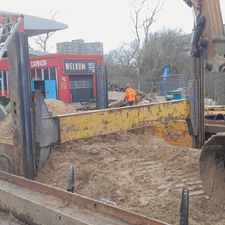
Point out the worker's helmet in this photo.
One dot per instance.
(127, 86)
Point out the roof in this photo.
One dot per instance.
(34, 25)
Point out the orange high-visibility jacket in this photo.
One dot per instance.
(130, 95)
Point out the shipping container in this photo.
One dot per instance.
(67, 77)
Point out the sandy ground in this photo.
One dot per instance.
(6, 219)
(115, 95)
(6, 129)
(55, 107)
(136, 172)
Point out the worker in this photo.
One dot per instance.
(130, 95)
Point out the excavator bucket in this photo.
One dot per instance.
(212, 168)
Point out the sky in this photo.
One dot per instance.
(107, 21)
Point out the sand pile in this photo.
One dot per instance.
(6, 129)
(7, 219)
(137, 172)
(55, 107)
(115, 95)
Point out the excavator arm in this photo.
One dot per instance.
(208, 45)
(208, 36)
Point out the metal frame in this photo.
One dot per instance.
(14, 28)
(28, 202)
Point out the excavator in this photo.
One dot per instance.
(34, 131)
(208, 52)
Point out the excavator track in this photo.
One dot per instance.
(212, 168)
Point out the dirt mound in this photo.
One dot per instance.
(6, 129)
(137, 172)
(8, 108)
(115, 95)
(8, 219)
(56, 107)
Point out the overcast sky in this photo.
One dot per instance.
(107, 21)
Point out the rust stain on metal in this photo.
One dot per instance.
(85, 125)
(105, 122)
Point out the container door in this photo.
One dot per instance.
(40, 85)
(81, 88)
(50, 89)
(32, 85)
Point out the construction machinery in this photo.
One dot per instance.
(36, 203)
(178, 122)
(208, 51)
(35, 131)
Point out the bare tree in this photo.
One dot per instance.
(131, 55)
(142, 17)
(124, 55)
(165, 47)
(42, 40)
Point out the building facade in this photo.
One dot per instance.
(80, 47)
(67, 77)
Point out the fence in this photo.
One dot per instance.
(171, 83)
(165, 84)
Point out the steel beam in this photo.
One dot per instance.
(157, 116)
(21, 100)
(36, 203)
